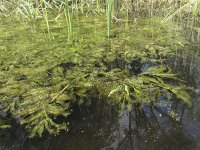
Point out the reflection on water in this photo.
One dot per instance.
(142, 129)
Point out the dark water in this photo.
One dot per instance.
(105, 129)
(146, 128)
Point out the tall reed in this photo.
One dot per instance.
(45, 15)
(109, 8)
(81, 6)
(184, 12)
(68, 18)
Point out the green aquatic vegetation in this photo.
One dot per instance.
(68, 18)
(36, 114)
(109, 9)
(185, 12)
(42, 80)
(147, 87)
(45, 14)
(156, 76)
(4, 124)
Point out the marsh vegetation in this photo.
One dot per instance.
(61, 59)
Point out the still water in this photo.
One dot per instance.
(102, 128)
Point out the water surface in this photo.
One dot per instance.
(100, 127)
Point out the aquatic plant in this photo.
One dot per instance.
(68, 18)
(4, 124)
(45, 14)
(184, 12)
(109, 9)
(49, 79)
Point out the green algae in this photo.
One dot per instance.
(44, 78)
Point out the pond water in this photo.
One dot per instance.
(101, 127)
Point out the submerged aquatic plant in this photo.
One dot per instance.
(4, 124)
(49, 79)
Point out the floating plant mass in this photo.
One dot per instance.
(42, 80)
